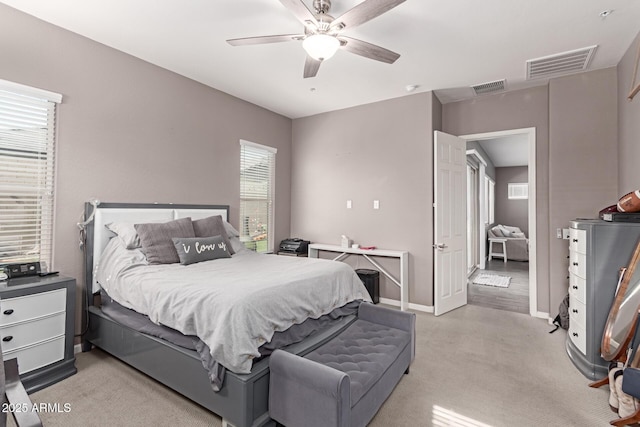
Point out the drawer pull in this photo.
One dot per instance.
(574, 287)
(7, 338)
(575, 334)
(575, 263)
(8, 312)
(575, 311)
(575, 240)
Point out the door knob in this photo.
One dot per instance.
(439, 246)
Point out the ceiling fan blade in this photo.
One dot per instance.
(365, 11)
(311, 67)
(368, 50)
(265, 39)
(302, 12)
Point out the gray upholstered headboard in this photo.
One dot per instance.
(97, 235)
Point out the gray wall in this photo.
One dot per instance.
(582, 159)
(381, 151)
(628, 124)
(129, 131)
(511, 212)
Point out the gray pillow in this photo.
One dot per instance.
(198, 249)
(212, 226)
(155, 239)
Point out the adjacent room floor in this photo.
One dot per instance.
(513, 298)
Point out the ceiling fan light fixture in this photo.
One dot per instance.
(320, 46)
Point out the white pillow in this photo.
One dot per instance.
(503, 229)
(518, 235)
(126, 232)
(511, 229)
(497, 231)
(231, 231)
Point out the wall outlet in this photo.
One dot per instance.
(558, 233)
(349, 204)
(376, 204)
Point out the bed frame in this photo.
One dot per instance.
(243, 399)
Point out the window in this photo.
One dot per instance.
(518, 191)
(257, 171)
(490, 197)
(27, 159)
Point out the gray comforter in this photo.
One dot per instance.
(234, 305)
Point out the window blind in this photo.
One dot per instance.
(518, 190)
(27, 167)
(257, 170)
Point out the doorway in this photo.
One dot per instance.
(523, 274)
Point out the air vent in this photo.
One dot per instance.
(488, 87)
(561, 63)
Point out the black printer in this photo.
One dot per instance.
(294, 246)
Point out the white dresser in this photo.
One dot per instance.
(597, 251)
(37, 328)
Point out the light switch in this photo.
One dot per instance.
(348, 204)
(376, 204)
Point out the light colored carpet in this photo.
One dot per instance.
(492, 280)
(474, 367)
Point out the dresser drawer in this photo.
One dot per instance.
(37, 355)
(19, 309)
(578, 335)
(578, 264)
(577, 312)
(578, 287)
(578, 240)
(31, 332)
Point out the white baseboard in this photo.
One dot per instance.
(412, 306)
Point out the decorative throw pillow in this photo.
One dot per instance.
(125, 232)
(156, 242)
(198, 249)
(497, 231)
(212, 226)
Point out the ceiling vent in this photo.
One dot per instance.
(561, 63)
(489, 87)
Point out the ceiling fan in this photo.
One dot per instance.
(323, 36)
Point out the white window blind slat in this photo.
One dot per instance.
(257, 171)
(27, 129)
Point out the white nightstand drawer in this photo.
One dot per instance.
(578, 287)
(578, 335)
(32, 332)
(19, 309)
(37, 355)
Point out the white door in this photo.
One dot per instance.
(450, 223)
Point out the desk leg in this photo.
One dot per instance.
(404, 282)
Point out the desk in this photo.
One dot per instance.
(403, 257)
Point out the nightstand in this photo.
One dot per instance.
(37, 327)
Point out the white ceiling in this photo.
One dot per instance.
(445, 45)
(507, 151)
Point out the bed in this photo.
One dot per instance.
(242, 399)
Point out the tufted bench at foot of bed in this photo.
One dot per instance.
(345, 381)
